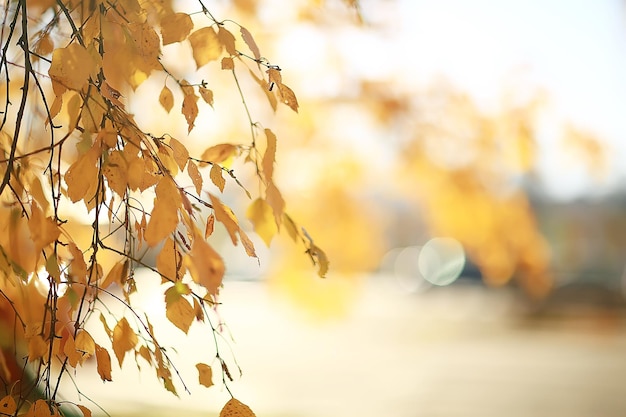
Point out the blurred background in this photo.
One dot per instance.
(461, 163)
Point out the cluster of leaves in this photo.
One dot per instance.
(67, 140)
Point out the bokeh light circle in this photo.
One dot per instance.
(441, 261)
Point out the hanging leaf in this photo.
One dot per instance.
(218, 153)
(207, 95)
(227, 39)
(164, 216)
(190, 104)
(180, 153)
(205, 46)
(103, 363)
(82, 175)
(166, 98)
(175, 27)
(228, 63)
(217, 178)
(116, 172)
(37, 348)
(210, 225)
(269, 156)
(262, 217)
(196, 177)
(275, 200)
(169, 261)
(205, 374)
(235, 408)
(72, 66)
(249, 40)
(205, 265)
(86, 412)
(225, 215)
(177, 309)
(85, 344)
(124, 339)
(43, 230)
(8, 406)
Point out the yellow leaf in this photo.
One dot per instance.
(262, 217)
(275, 200)
(175, 27)
(249, 40)
(116, 172)
(197, 309)
(166, 98)
(118, 274)
(288, 97)
(235, 408)
(190, 105)
(69, 349)
(177, 309)
(227, 39)
(247, 244)
(78, 267)
(37, 348)
(180, 153)
(124, 339)
(210, 225)
(169, 261)
(164, 216)
(72, 66)
(104, 363)
(85, 344)
(205, 46)
(86, 412)
(82, 176)
(43, 230)
(205, 265)
(269, 156)
(196, 177)
(216, 177)
(207, 95)
(40, 408)
(228, 63)
(205, 374)
(166, 156)
(218, 153)
(8, 406)
(225, 215)
(147, 44)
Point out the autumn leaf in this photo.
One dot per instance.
(166, 98)
(227, 39)
(205, 265)
(205, 374)
(37, 348)
(82, 175)
(225, 215)
(175, 27)
(228, 63)
(218, 153)
(85, 344)
(8, 406)
(43, 230)
(275, 200)
(103, 363)
(124, 339)
(210, 225)
(196, 177)
(216, 177)
(207, 95)
(235, 408)
(249, 40)
(262, 217)
(180, 153)
(86, 412)
(118, 274)
(164, 216)
(190, 104)
(269, 156)
(115, 170)
(177, 309)
(205, 45)
(72, 66)
(169, 261)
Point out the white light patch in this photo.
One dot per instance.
(441, 261)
